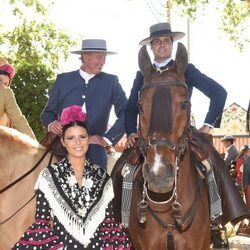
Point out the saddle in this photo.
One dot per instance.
(201, 146)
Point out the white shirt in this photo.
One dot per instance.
(162, 64)
(86, 76)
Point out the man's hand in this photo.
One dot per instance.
(205, 129)
(55, 127)
(97, 139)
(131, 140)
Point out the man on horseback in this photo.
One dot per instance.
(161, 42)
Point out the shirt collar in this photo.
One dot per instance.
(86, 76)
(162, 64)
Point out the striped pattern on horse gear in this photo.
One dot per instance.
(127, 188)
(213, 191)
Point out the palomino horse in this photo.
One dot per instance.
(18, 155)
(169, 207)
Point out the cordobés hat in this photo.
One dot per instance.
(161, 29)
(228, 137)
(93, 45)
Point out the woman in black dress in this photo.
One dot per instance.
(74, 198)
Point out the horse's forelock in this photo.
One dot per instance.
(161, 111)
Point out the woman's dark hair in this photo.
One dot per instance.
(72, 124)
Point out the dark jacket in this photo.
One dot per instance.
(231, 155)
(101, 93)
(194, 79)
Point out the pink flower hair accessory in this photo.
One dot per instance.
(9, 69)
(72, 114)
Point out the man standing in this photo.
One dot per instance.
(231, 151)
(97, 92)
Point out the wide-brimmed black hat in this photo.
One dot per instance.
(93, 45)
(161, 29)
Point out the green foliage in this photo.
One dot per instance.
(36, 48)
(235, 21)
(31, 86)
(39, 42)
(36, 6)
(190, 8)
(234, 16)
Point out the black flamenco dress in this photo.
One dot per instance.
(73, 217)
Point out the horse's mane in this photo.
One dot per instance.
(13, 141)
(161, 119)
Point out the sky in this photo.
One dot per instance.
(123, 23)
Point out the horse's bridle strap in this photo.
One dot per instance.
(29, 171)
(164, 225)
(164, 83)
(162, 142)
(26, 203)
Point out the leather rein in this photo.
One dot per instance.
(22, 177)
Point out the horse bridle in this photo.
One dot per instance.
(25, 174)
(179, 149)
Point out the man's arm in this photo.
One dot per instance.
(119, 100)
(51, 112)
(213, 90)
(131, 112)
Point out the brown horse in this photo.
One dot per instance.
(169, 207)
(18, 155)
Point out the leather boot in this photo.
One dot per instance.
(233, 206)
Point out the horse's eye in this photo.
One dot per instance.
(185, 105)
(140, 108)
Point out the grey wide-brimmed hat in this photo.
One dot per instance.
(93, 45)
(161, 29)
(228, 137)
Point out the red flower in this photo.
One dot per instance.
(72, 114)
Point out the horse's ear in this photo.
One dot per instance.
(181, 59)
(144, 61)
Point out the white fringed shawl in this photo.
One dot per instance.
(74, 225)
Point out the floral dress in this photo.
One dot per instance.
(73, 217)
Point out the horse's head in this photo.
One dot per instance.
(164, 109)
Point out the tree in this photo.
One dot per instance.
(36, 47)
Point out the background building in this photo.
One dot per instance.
(233, 123)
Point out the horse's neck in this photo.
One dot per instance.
(19, 164)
